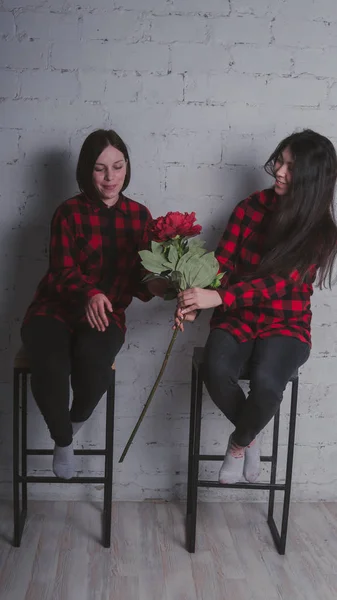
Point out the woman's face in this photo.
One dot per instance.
(283, 172)
(109, 174)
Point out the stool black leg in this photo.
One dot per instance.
(109, 435)
(16, 458)
(24, 442)
(273, 471)
(289, 468)
(280, 539)
(191, 438)
(194, 474)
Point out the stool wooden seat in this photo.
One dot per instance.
(21, 452)
(194, 457)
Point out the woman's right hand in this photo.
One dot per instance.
(95, 311)
(179, 318)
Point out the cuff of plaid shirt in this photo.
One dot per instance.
(93, 292)
(227, 298)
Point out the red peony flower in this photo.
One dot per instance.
(173, 224)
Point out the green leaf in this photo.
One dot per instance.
(198, 271)
(179, 280)
(156, 248)
(216, 283)
(173, 256)
(153, 262)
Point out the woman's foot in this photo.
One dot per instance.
(63, 461)
(252, 463)
(232, 466)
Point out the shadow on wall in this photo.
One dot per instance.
(48, 182)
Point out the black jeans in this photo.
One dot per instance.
(272, 362)
(54, 353)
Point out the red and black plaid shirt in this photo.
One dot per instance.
(93, 249)
(265, 306)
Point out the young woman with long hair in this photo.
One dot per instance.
(277, 242)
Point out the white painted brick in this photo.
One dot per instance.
(47, 26)
(296, 91)
(23, 55)
(322, 10)
(332, 97)
(162, 88)
(7, 25)
(258, 120)
(140, 57)
(298, 118)
(32, 143)
(235, 30)
(289, 32)
(103, 56)
(178, 29)
(32, 114)
(88, 55)
(92, 85)
(229, 87)
(261, 8)
(192, 148)
(9, 146)
(316, 62)
(247, 150)
(126, 26)
(197, 118)
(122, 88)
(199, 58)
(199, 180)
(221, 7)
(9, 84)
(49, 84)
(155, 5)
(11, 4)
(262, 60)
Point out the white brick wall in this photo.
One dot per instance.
(202, 93)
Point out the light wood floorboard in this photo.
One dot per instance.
(61, 557)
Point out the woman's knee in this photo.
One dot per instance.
(266, 384)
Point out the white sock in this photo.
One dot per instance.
(232, 467)
(252, 463)
(77, 426)
(63, 461)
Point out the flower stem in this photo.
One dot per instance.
(152, 393)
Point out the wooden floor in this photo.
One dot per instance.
(61, 557)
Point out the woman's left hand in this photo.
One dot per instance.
(196, 298)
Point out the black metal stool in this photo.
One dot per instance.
(21, 374)
(194, 457)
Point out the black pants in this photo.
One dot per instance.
(54, 353)
(272, 362)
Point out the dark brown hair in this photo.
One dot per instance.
(92, 147)
(303, 230)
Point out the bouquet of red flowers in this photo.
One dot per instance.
(183, 264)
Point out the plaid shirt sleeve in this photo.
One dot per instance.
(256, 291)
(140, 289)
(65, 276)
(229, 243)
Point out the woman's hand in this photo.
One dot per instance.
(95, 311)
(197, 298)
(179, 318)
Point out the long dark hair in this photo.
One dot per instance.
(92, 147)
(303, 230)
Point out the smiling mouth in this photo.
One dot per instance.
(280, 182)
